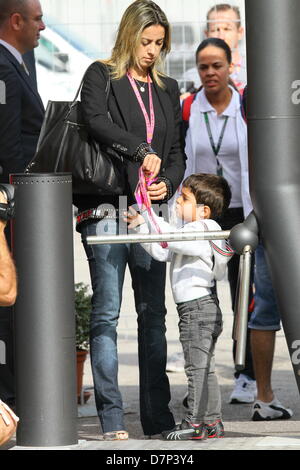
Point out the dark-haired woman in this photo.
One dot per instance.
(216, 142)
(145, 109)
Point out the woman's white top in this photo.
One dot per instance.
(194, 264)
(233, 155)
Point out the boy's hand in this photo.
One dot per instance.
(133, 218)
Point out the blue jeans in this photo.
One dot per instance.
(200, 324)
(107, 265)
(266, 315)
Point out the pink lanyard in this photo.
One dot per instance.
(141, 194)
(142, 200)
(150, 123)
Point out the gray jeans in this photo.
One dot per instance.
(200, 324)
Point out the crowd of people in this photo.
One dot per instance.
(198, 158)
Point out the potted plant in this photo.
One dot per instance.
(82, 315)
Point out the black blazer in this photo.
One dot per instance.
(21, 116)
(118, 134)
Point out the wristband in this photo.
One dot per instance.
(163, 179)
(142, 151)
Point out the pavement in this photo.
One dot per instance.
(241, 432)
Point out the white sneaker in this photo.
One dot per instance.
(244, 391)
(262, 411)
(175, 363)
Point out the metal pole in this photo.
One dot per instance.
(241, 315)
(44, 311)
(273, 64)
(237, 303)
(240, 233)
(154, 238)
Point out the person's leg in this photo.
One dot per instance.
(263, 344)
(107, 267)
(213, 411)
(214, 427)
(264, 323)
(148, 281)
(200, 325)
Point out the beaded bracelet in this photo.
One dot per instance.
(163, 179)
(142, 151)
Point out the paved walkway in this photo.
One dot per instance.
(241, 432)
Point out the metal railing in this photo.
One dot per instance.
(241, 307)
(155, 238)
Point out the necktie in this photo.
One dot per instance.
(25, 68)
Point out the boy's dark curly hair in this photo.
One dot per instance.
(211, 190)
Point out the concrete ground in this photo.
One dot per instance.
(241, 432)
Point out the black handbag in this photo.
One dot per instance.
(65, 146)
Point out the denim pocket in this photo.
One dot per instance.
(200, 318)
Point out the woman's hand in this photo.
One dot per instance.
(151, 165)
(158, 192)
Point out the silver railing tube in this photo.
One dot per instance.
(154, 238)
(240, 329)
(242, 306)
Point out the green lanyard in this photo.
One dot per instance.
(216, 150)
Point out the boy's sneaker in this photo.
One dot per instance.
(262, 411)
(185, 431)
(244, 391)
(215, 430)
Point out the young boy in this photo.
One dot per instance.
(194, 267)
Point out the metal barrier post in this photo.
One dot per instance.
(242, 306)
(273, 129)
(44, 311)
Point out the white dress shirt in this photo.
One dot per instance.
(12, 50)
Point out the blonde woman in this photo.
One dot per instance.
(145, 130)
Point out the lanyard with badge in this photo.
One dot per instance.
(149, 120)
(141, 194)
(215, 149)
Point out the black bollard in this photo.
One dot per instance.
(273, 64)
(44, 311)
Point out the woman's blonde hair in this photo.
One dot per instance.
(139, 15)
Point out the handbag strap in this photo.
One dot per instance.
(107, 90)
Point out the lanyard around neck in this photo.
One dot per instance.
(150, 123)
(216, 150)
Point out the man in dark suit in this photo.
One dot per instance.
(21, 116)
(21, 111)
